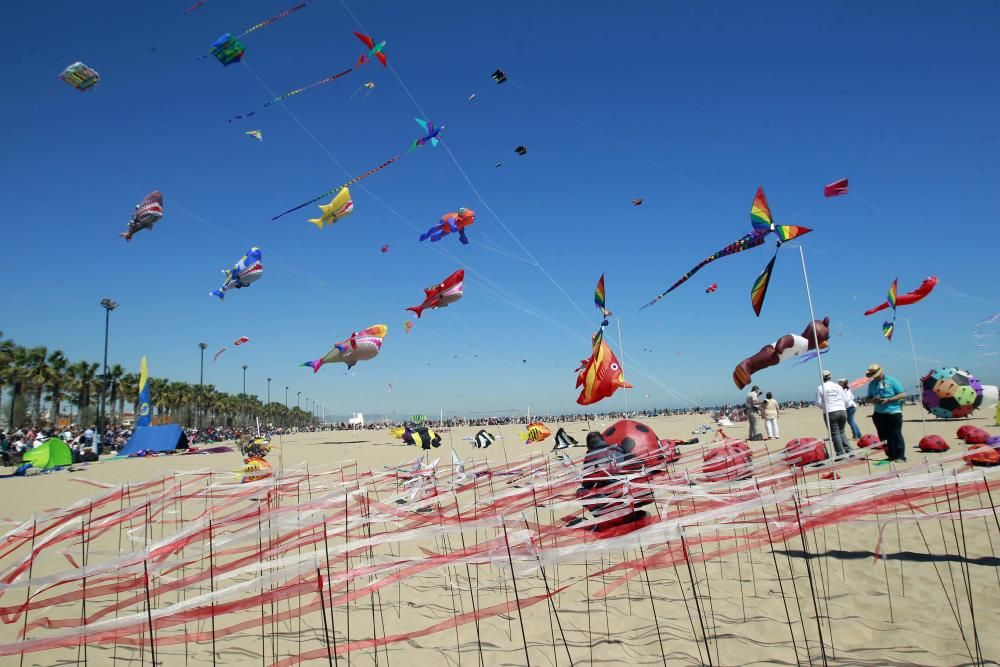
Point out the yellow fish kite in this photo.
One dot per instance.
(339, 207)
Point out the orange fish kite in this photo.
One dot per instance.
(600, 375)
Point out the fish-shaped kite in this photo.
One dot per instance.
(339, 207)
(147, 213)
(836, 188)
(537, 431)
(246, 271)
(361, 346)
(601, 375)
(909, 298)
(444, 293)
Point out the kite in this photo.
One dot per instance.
(290, 93)
(500, 76)
(361, 346)
(338, 188)
(815, 336)
(384, 249)
(601, 375)
(537, 431)
(449, 223)
(374, 50)
(909, 298)
(472, 97)
(431, 135)
(241, 340)
(637, 202)
(408, 324)
(836, 188)
(228, 49)
(989, 320)
(367, 85)
(498, 165)
(147, 213)
(564, 440)
(441, 295)
(339, 208)
(255, 468)
(599, 298)
(711, 288)
(80, 76)
(245, 272)
(256, 134)
(763, 224)
(194, 6)
(889, 326)
(483, 439)
(423, 437)
(216, 357)
(521, 150)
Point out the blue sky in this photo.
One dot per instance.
(689, 106)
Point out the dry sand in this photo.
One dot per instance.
(910, 607)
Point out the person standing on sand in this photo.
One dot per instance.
(887, 394)
(833, 401)
(753, 414)
(769, 410)
(852, 408)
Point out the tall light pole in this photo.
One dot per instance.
(201, 384)
(286, 405)
(298, 395)
(244, 392)
(108, 305)
(267, 408)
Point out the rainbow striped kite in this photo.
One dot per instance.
(892, 295)
(889, 326)
(760, 213)
(887, 329)
(763, 224)
(599, 297)
(759, 289)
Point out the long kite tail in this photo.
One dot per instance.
(307, 87)
(276, 17)
(338, 188)
(751, 240)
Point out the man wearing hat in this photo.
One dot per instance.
(887, 394)
(833, 401)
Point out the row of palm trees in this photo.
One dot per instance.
(44, 385)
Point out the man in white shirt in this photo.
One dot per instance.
(830, 398)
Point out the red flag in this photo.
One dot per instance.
(836, 188)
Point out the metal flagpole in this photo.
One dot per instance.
(916, 371)
(621, 346)
(819, 357)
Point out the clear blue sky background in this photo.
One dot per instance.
(690, 106)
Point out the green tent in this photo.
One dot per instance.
(50, 454)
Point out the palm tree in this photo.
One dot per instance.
(128, 386)
(82, 374)
(7, 348)
(57, 377)
(37, 375)
(113, 380)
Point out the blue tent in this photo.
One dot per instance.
(166, 438)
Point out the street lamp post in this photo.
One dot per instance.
(201, 384)
(286, 405)
(267, 408)
(298, 395)
(108, 306)
(244, 393)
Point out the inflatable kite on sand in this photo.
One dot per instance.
(441, 295)
(537, 431)
(451, 223)
(147, 213)
(909, 298)
(244, 273)
(361, 346)
(339, 208)
(786, 347)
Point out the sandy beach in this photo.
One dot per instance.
(427, 579)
